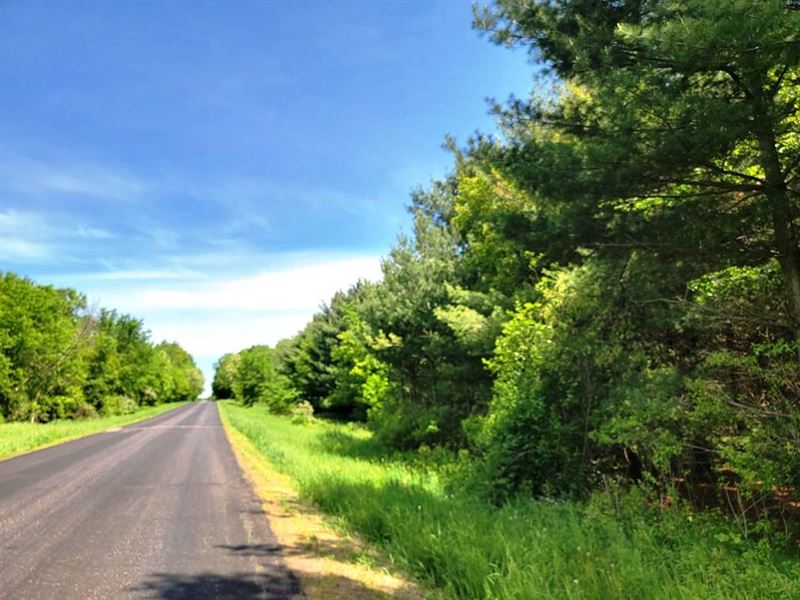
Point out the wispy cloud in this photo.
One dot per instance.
(139, 275)
(24, 176)
(23, 237)
(93, 233)
(243, 193)
(161, 237)
(29, 222)
(27, 236)
(14, 248)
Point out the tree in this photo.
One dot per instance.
(186, 378)
(624, 260)
(361, 385)
(258, 380)
(683, 102)
(307, 361)
(436, 372)
(43, 342)
(104, 369)
(57, 360)
(225, 376)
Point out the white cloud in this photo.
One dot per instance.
(214, 336)
(243, 195)
(11, 220)
(287, 289)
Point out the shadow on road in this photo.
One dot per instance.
(309, 546)
(207, 586)
(254, 549)
(272, 583)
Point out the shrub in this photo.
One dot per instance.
(118, 405)
(302, 412)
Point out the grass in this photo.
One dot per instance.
(460, 547)
(19, 438)
(329, 565)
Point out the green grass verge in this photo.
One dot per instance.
(20, 438)
(460, 547)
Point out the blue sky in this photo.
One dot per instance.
(219, 169)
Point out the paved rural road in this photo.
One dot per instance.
(158, 509)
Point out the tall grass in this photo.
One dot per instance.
(18, 438)
(460, 547)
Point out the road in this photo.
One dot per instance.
(157, 509)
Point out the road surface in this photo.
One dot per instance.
(157, 509)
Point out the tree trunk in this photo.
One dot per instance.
(788, 247)
(787, 238)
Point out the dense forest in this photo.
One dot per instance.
(607, 293)
(58, 359)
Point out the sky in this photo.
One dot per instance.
(220, 169)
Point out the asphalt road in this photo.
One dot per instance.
(157, 509)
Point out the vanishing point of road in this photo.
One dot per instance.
(157, 509)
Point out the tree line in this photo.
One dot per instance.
(60, 360)
(607, 291)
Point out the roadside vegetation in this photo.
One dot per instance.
(459, 547)
(19, 438)
(601, 302)
(60, 360)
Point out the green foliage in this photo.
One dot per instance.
(553, 364)
(361, 379)
(254, 378)
(57, 360)
(430, 333)
(253, 374)
(302, 413)
(224, 376)
(732, 411)
(118, 405)
(692, 102)
(460, 547)
(306, 360)
(43, 339)
(183, 378)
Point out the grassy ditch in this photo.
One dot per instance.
(459, 547)
(19, 438)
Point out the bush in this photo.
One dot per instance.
(118, 405)
(85, 411)
(302, 412)
(58, 407)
